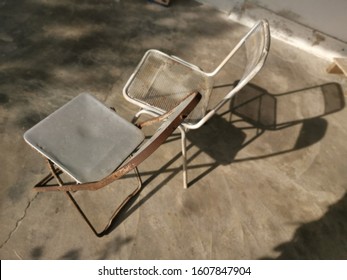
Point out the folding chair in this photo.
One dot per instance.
(161, 80)
(95, 146)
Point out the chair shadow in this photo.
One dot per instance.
(323, 239)
(262, 111)
(222, 139)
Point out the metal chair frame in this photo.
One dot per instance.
(251, 70)
(170, 121)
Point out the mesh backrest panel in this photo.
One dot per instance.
(254, 46)
(162, 82)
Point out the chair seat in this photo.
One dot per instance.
(85, 138)
(161, 81)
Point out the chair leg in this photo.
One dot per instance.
(115, 213)
(184, 156)
(125, 201)
(55, 174)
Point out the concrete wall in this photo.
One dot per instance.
(327, 16)
(318, 26)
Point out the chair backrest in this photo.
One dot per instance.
(257, 45)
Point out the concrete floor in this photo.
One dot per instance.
(273, 187)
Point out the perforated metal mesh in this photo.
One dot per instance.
(162, 82)
(254, 46)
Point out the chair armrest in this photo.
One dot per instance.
(154, 120)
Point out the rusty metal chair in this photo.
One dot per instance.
(95, 146)
(161, 80)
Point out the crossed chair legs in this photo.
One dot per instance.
(55, 173)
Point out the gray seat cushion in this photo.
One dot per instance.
(85, 138)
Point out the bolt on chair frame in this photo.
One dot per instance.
(170, 121)
(259, 39)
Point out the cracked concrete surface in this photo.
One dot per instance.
(18, 222)
(267, 181)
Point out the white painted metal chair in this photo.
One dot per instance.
(161, 80)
